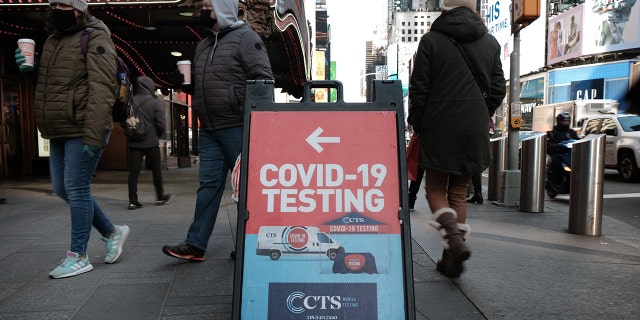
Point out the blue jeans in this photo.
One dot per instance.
(218, 153)
(71, 173)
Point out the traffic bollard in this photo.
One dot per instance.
(532, 168)
(498, 160)
(587, 181)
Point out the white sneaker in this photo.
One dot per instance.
(71, 266)
(114, 243)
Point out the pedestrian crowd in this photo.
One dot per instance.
(456, 56)
(237, 53)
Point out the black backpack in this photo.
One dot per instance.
(124, 99)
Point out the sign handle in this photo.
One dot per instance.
(329, 84)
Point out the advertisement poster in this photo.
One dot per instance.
(611, 25)
(566, 35)
(323, 238)
(498, 18)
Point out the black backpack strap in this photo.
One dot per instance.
(84, 40)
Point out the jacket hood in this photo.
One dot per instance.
(461, 23)
(146, 86)
(226, 12)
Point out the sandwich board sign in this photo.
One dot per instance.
(323, 220)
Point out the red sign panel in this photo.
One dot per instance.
(313, 167)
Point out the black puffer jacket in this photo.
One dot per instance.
(224, 62)
(447, 108)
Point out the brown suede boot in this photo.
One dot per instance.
(445, 221)
(443, 261)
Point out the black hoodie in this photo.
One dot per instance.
(148, 109)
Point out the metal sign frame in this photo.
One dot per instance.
(387, 102)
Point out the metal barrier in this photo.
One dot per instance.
(587, 181)
(498, 160)
(532, 167)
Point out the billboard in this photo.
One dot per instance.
(498, 18)
(565, 35)
(594, 27)
(612, 25)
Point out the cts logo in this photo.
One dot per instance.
(347, 220)
(298, 302)
(305, 301)
(271, 235)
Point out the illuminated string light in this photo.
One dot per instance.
(117, 17)
(197, 34)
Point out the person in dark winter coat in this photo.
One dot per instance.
(73, 102)
(449, 112)
(223, 62)
(561, 132)
(149, 110)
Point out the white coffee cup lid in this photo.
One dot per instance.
(26, 40)
(184, 62)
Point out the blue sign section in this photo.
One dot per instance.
(337, 301)
(367, 258)
(587, 89)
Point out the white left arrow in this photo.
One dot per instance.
(314, 140)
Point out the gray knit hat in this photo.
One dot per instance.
(447, 5)
(80, 5)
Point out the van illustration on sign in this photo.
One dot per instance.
(274, 241)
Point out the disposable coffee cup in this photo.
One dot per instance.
(28, 47)
(185, 68)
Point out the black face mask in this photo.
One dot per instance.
(205, 18)
(63, 19)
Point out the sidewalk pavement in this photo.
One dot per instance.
(523, 266)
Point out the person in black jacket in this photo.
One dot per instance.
(561, 132)
(450, 112)
(149, 110)
(223, 63)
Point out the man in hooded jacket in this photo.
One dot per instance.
(223, 62)
(450, 113)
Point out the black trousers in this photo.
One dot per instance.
(414, 186)
(476, 180)
(135, 165)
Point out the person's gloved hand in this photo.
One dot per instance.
(20, 59)
(177, 78)
(89, 150)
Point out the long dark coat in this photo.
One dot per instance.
(446, 107)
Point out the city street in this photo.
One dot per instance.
(620, 200)
(524, 265)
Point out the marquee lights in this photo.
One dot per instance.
(15, 3)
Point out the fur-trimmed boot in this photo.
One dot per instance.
(442, 262)
(445, 221)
